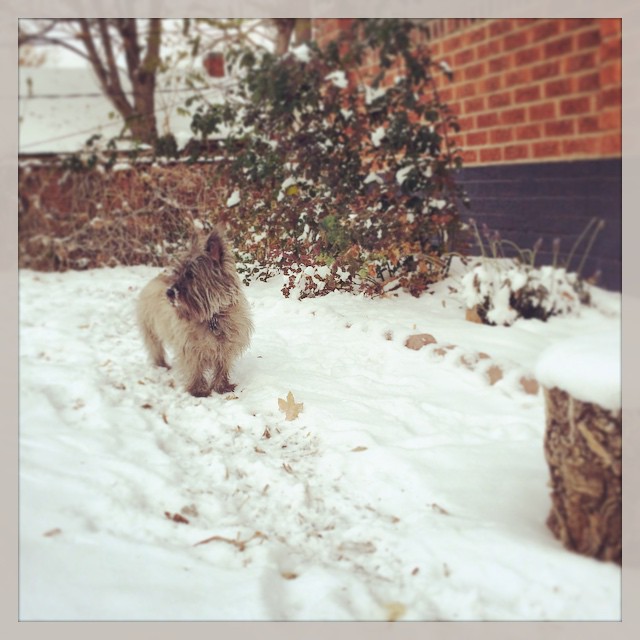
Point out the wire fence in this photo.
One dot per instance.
(118, 121)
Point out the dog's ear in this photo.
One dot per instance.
(213, 247)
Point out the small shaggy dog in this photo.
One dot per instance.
(198, 311)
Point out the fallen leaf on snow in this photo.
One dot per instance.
(395, 610)
(290, 407)
(176, 517)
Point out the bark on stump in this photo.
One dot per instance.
(583, 447)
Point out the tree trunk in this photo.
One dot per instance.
(138, 113)
(285, 27)
(303, 30)
(583, 447)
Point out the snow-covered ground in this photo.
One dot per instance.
(407, 488)
(61, 108)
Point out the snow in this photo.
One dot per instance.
(401, 174)
(586, 366)
(371, 94)
(408, 487)
(302, 53)
(495, 280)
(338, 78)
(373, 177)
(378, 135)
(233, 199)
(60, 108)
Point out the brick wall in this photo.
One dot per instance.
(527, 89)
(539, 102)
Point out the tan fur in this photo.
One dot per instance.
(200, 313)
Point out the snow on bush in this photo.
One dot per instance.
(503, 290)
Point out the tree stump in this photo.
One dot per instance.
(583, 448)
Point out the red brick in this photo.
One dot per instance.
(476, 138)
(546, 70)
(499, 64)
(546, 149)
(500, 136)
(469, 157)
(493, 83)
(610, 27)
(558, 128)
(589, 124)
(516, 152)
(515, 40)
(465, 91)
(451, 44)
(545, 30)
(580, 62)
(487, 120)
(571, 24)
(589, 39)
(491, 155)
(477, 35)
(544, 111)
(499, 100)
(589, 82)
(488, 49)
(611, 50)
(464, 57)
(476, 104)
(498, 27)
(528, 132)
(610, 98)
(466, 123)
(521, 76)
(474, 71)
(528, 56)
(513, 116)
(611, 74)
(610, 119)
(580, 145)
(446, 94)
(557, 88)
(528, 94)
(558, 47)
(611, 144)
(574, 106)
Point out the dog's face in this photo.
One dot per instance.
(203, 281)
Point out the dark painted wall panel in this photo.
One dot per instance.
(553, 200)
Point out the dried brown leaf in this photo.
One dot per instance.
(290, 407)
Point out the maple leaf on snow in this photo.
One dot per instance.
(290, 407)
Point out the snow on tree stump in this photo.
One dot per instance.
(583, 443)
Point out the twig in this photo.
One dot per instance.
(240, 544)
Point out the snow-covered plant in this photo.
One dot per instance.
(502, 289)
(342, 172)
